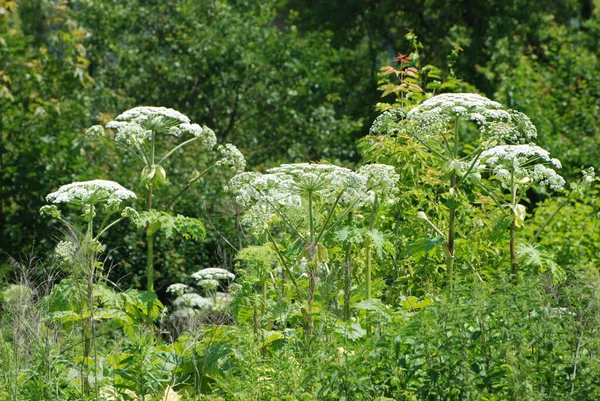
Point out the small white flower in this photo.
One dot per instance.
(207, 138)
(387, 122)
(194, 129)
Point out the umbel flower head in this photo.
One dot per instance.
(283, 192)
(213, 273)
(135, 126)
(91, 192)
(523, 164)
(433, 118)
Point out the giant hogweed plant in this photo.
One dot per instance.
(516, 168)
(144, 132)
(99, 204)
(467, 135)
(298, 207)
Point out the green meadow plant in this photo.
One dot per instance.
(141, 131)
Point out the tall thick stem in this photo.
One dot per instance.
(88, 324)
(451, 235)
(513, 227)
(312, 262)
(369, 250)
(150, 264)
(150, 237)
(150, 247)
(347, 267)
(513, 250)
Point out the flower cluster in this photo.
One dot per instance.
(231, 156)
(524, 164)
(433, 116)
(144, 114)
(188, 305)
(285, 190)
(90, 192)
(381, 179)
(387, 122)
(213, 273)
(135, 126)
(178, 289)
(65, 251)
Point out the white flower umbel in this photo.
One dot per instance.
(231, 156)
(433, 118)
(517, 168)
(192, 300)
(90, 192)
(137, 125)
(387, 122)
(178, 289)
(380, 179)
(145, 113)
(524, 164)
(213, 273)
(284, 192)
(65, 251)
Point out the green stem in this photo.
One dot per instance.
(264, 297)
(369, 251)
(182, 144)
(310, 218)
(150, 264)
(513, 227)
(283, 218)
(450, 239)
(143, 158)
(150, 237)
(329, 216)
(470, 168)
(312, 262)
(285, 266)
(108, 227)
(187, 186)
(347, 283)
(552, 216)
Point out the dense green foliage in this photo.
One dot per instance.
(447, 260)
